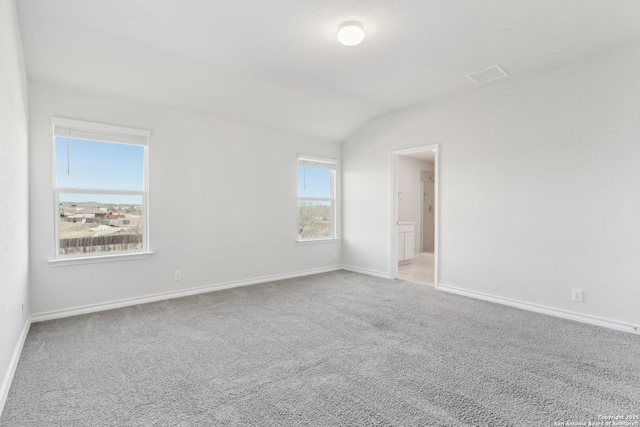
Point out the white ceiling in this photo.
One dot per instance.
(277, 63)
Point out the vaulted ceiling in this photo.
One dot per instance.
(277, 63)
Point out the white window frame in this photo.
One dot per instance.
(333, 199)
(114, 135)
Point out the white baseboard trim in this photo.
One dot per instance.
(592, 320)
(8, 378)
(366, 271)
(58, 314)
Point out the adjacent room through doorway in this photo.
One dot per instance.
(415, 178)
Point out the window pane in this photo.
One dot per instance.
(97, 223)
(314, 219)
(93, 164)
(314, 182)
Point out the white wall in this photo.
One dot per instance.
(222, 197)
(539, 186)
(410, 208)
(14, 197)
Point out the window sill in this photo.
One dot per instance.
(60, 262)
(314, 241)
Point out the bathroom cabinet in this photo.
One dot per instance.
(406, 240)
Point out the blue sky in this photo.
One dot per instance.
(314, 182)
(94, 164)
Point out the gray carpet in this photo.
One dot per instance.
(332, 349)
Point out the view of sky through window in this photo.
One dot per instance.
(94, 164)
(315, 217)
(314, 182)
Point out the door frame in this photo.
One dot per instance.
(393, 267)
(422, 214)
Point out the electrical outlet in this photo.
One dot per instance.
(22, 309)
(177, 275)
(333, 255)
(576, 295)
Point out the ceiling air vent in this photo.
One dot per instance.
(487, 75)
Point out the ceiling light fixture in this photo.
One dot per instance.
(350, 33)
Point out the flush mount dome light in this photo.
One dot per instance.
(350, 33)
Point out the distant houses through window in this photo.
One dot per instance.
(101, 189)
(316, 198)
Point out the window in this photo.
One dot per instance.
(101, 189)
(316, 199)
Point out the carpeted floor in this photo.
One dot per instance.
(332, 349)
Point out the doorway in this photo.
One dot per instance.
(427, 179)
(414, 227)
